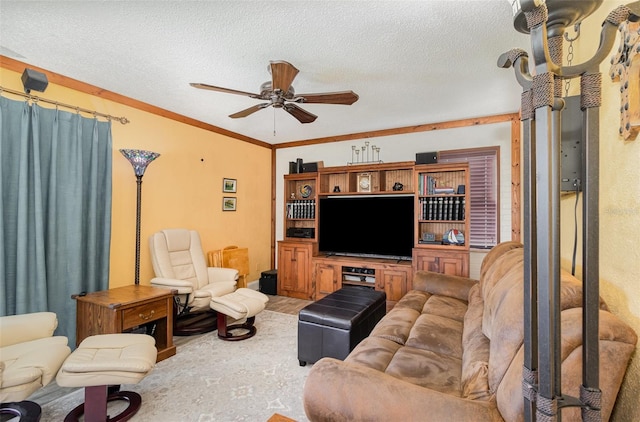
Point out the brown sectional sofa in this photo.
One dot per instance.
(452, 350)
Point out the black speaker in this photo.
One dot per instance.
(427, 157)
(35, 80)
(293, 167)
(269, 282)
(309, 167)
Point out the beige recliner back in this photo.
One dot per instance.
(177, 254)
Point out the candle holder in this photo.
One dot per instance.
(365, 154)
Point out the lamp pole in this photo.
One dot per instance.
(139, 159)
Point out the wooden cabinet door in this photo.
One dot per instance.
(445, 262)
(425, 262)
(293, 274)
(326, 279)
(394, 282)
(451, 265)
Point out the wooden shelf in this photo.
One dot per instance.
(437, 213)
(383, 177)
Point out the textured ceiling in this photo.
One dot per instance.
(411, 62)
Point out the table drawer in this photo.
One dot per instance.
(142, 314)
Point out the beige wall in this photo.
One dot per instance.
(619, 210)
(181, 188)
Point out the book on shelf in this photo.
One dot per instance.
(430, 209)
(443, 190)
(426, 184)
(456, 208)
(304, 208)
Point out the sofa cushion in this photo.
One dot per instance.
(397, 324)
(427, 369)
(495, 253)
(419, 341)
(501, 265)
(475, 355)
(445, 306)
(421, 367)
(503, 321)
(437, 334)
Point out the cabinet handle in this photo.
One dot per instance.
(146, 317)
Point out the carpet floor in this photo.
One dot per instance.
(214, 380)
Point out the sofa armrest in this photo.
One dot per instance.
(341, 391)
(26, 327)
(443, 284)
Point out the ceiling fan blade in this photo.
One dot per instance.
(303, 116)
(250, 110)
(282, 75)
(342, 97)
(227, 90)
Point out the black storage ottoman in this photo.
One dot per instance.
(334, 325)
(268, 283)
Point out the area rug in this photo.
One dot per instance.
(214, 380)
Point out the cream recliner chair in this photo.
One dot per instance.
(30, 357)
(179, 264)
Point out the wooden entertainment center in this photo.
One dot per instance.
(441, 200)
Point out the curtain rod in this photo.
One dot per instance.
(35, 99)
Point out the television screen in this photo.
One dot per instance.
(376, 226)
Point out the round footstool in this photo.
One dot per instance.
(103, 360)
(243, 304)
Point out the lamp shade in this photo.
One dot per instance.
(139, 159)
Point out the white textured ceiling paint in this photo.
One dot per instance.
(411, 62)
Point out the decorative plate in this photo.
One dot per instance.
(305, 191)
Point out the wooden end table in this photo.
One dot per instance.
(124, 309)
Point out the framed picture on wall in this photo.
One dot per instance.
(228, 203)
(229, 185)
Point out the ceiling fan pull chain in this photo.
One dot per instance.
(274, 121)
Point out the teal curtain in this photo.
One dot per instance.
(55, 225)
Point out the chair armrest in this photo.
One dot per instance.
(182, 286)
(222, 274)
(26, 327)
(44, 354)
(343, 391)
(443, 284)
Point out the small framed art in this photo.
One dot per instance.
(228, 203)
(229, 185)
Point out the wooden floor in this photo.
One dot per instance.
(286, 305)
(282, 304)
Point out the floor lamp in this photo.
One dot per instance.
(139, 159)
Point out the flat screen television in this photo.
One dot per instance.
(372, 226)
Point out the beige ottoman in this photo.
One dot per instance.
(103, 360)
(243, 304)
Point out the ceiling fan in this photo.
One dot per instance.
(280, 94)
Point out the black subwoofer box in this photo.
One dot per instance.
(427, 157)
(269, 282)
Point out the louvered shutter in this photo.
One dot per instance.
(483, 175)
